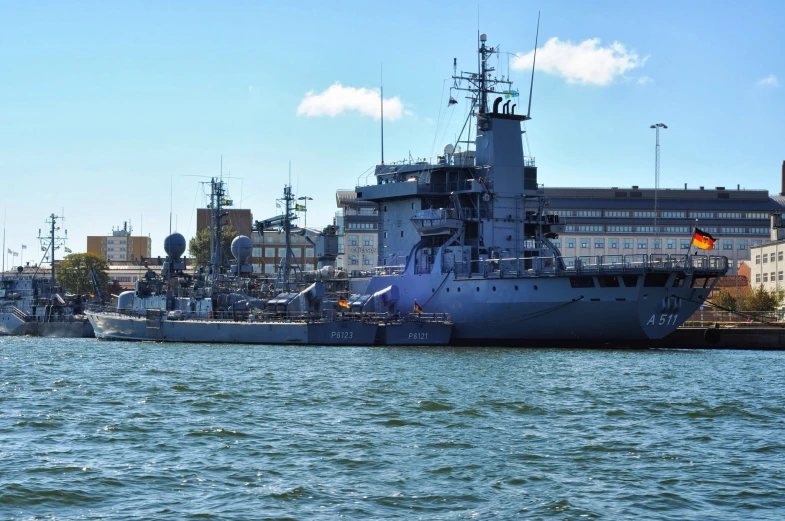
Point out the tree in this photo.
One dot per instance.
(199, 245)
(760, 299)
(724, 300)
(73, 273)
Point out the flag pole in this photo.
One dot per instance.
(692, 239)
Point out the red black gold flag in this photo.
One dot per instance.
(342, 302)
(417, 308)
(702, 240)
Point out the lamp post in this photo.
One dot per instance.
(657, 127)
(304, 208)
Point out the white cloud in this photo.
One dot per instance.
(587, 62)
(338, 99)
(769, 81)
(644, 80)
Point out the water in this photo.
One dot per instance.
(92, 430)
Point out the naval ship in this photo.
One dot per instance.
(473, 232)
(32, 303)
(217, 305)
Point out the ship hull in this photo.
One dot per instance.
(11, 325)
(545, 310)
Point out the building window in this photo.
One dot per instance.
(674, 215)
(765, 277)
(727, 244)
(282, 252)
(556, 242)
(741, 244)
(765, 258)
(570, 243)
(354, 260)
(613, 244)
(757, 259)
(269, 252)
(385, 235)
(702, 215)
(367, 240)
(599, 243)
(353, 240)
(627, 244)
(643, 244)
(588, 213)
(585, 243)
(590, 228)
(684, 244)
(269, 268)
(257, 252)
(656, 244)
(772, 276)
(569, 228)
(620, 229)
(779, 275)
(609, 213)
(366, 260)
(729, 215)
(757, 278)
(309, 252)
(643, 214)
(677, 229)
(670, 244)
(779, 255)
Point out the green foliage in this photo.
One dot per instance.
(199, 245)
(724, 299)
(73, 273)
(760, 299)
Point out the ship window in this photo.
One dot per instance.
(679, 281)
(448, 290)
(582, 282)
(608, 281)
(401, 233)
(459, 289)
(655, 280)
(630, 281)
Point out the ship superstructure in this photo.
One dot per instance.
(469, 234)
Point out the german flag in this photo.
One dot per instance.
(702, 240)
(342, 302)
(417, 308)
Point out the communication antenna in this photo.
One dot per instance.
(381, 101)
(534, 60)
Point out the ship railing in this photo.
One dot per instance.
(539, 266)
(389, 270)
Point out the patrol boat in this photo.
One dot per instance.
(238, 307)
(482, 251)
(32, 303)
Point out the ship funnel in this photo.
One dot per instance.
(496, 104)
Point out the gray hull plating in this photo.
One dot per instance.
(11, 325)
(416, 333)
(523, 310)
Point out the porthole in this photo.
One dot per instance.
(459, 289)
(494, 288)
(516, 288)
(448, 290)
(478, 288)
(535, 287)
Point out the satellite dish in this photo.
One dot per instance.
(448, 149)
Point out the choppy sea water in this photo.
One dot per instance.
(105, 430)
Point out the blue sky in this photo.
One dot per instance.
(103, 104)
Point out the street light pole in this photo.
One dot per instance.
(305, 200)
(657, 127)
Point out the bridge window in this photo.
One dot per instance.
(655, 280)
(630, 281)
(582, 282)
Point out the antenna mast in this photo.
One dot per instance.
(381, 101)
(534, 61)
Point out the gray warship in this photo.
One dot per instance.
(236, 306)
(474, 232)
(33, 304)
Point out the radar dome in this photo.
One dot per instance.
(448, 149)
(242, 248)
(174, 245)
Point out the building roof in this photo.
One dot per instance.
(729, 281)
